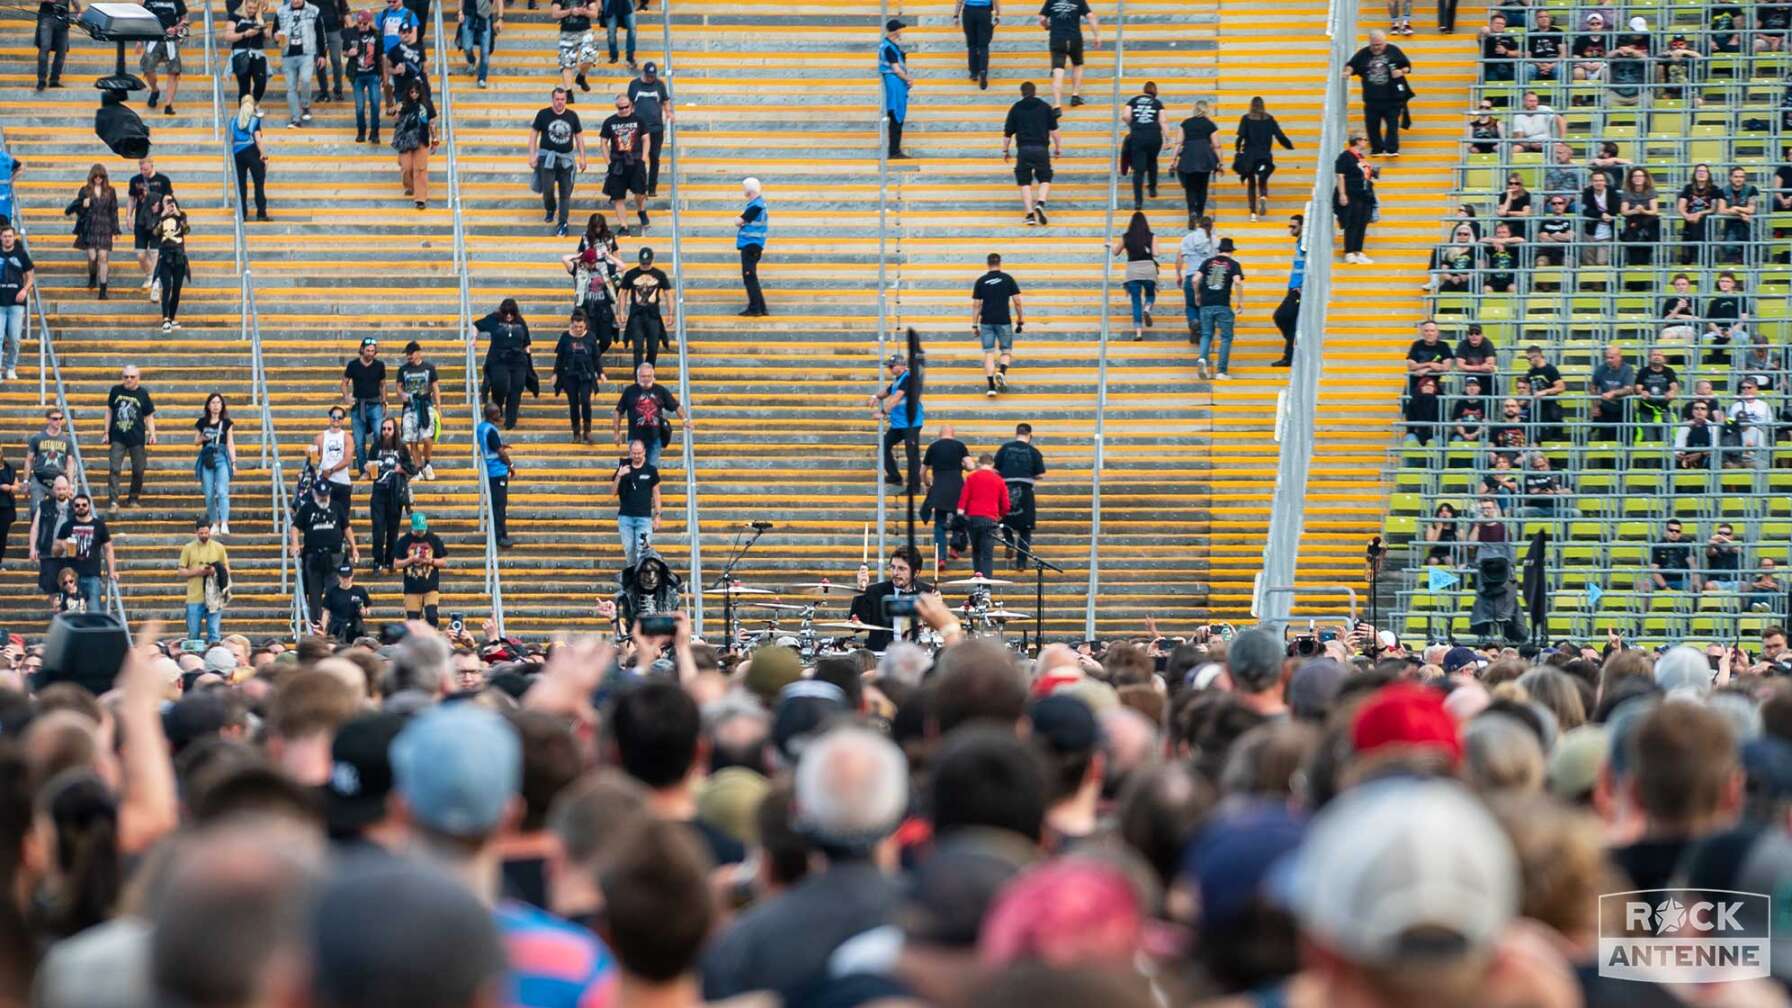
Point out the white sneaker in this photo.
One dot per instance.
(1223, 376)
(1363, 260)
(155, 292)
(147, 281)
(12, 374)
(429, 472)
(1350, 257)
(223, 528)
(1201, 367)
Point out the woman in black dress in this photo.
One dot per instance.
(95, 209)
(508, 368)
(1255, 159)
(1197, 157)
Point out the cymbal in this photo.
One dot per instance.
(1002, 614)
(825, 586)
(853, 627)
(740, 590)
(774, 605)
(979, 582)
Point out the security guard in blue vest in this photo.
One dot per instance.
(893, 64)
(749, 239)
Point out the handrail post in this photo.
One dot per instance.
(1107, 310)
(693, 525)
(1282, 542)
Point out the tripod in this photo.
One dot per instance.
(722, 582)
(1039, 565)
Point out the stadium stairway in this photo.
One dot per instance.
(344, 256)
(782, 430)
(1375, 310)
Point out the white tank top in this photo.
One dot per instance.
(335, 450)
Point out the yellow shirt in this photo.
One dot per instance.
(195, 553)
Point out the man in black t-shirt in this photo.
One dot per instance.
(636, 484)
(364, 392)
(653, 104)
(417, 383)
(647, 405)
(18, 275)
(1383, 68)
(1670, 562)
(1031, 126)
(325, 534)
(1216, 281)
(1547, 388)
(556, 148)
(578, 48)
(83, 542)
(164, 52)
(130, 424)
(1063, 22)
(991, 322)
(1428, 355)
(943, 469)
(1657, 385)
(644, 288)
(1499, 51)
(624, 136)
(345, 606)
(145, 193)
(1020, 466)
(1477, 356)
(421, 554)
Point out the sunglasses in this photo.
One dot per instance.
(335, 418)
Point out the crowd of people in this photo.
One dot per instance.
(1231, 818)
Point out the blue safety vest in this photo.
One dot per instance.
(240, 138)
(753, 231)
(1297, 273)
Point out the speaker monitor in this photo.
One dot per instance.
(86, 649)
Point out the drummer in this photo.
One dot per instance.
(868, 606)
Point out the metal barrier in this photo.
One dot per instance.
(883, 311)
(1296, 406)
(445, 114)
(1101, 360)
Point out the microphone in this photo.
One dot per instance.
(760, 526)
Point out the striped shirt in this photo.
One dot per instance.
(553, 964)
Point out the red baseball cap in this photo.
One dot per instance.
(1405, 714)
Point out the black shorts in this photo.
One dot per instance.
(1070, 49)
(1032, 164)
(142, 240)
(623, 179)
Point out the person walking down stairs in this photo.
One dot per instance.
(414, 137)
(509, 368)
(892, 63)
(556, 151)
(749, 238)
(172, 269)
(95, 209)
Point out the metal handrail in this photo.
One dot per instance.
(493, 583)
(1101, 360)
(693, 526)
(883, 301)
(1298, 404)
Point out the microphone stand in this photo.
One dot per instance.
(722, 582)
(1039, 567)
(1374, 554)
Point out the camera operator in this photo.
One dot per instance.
(873, 605)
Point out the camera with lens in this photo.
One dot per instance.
(899, 605)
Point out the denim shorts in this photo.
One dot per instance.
(996, 335)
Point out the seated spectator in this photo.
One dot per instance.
(1467, 213)
(1765, 589)
(1629, 68)
(1502, 260)
(1484, 130)
(1723, 559)
(1736, 204)
(1697, 444)
(1500, 484)
(1612, 381)
(1782, 187)
(1476, 355)
(1536, 126)
(1440, 535)
(1589, 50)
(1679, 66)
(1547, 389)
(1725, 21)
(1772, 18)
(1599, 216)
(1640, 208)
(1696, 202)
(1511, 429)
(1499, 51)
(1726, 318)
(1670, 562)
(1545, 45)
(1763, 365)
(1753, 420)
(1680, 311)
(1702, 392)
(1489, 534)
(1546, 491)
(1453, 265)
(1562, 176)
(1609, 163)
(1428, 355)
(1422, 412)
(1555, 232)
(1467, 421)
(1515, 202)
(1657, 385)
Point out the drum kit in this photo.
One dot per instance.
(762, 616)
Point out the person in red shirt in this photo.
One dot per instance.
(983, 502)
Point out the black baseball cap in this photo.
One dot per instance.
(344, 570)
(646, 254)
(894, 24)
(650, 68)
(360, 772)
(805, 708)
(412, 347)
(1065, 724)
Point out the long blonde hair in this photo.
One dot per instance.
(245, 110)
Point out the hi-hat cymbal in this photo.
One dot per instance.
(825, 586)
(1002, 614)
(853, 627)
(774, 605)
(740, 590)
(979, 582)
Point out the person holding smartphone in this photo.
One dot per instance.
(636, 484)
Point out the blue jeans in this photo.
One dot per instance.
(1189, 307)
(476, 33)
(364, 422)
(1143, 294)
(633, 529)
(298, 71)
(214, 484)
(198, 618)
(12, 328)
(652, 442)
(89, 585)
(942, 530)
(1217, 317)
(367, 102)
(611, 21)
